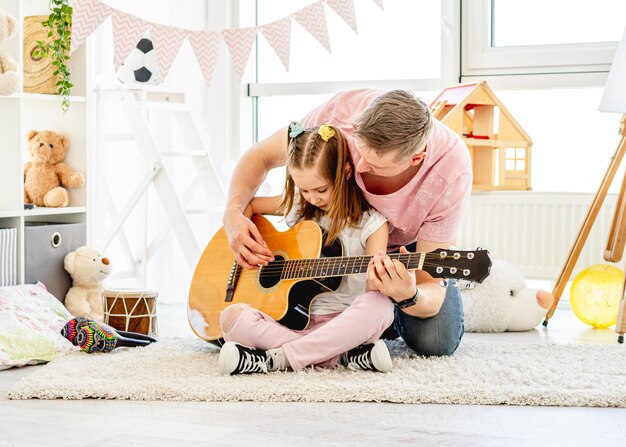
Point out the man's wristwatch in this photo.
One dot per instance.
(409, 301)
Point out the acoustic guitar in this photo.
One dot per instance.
(302, 269)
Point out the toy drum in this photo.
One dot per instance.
(132, 310)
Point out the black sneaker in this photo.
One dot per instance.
(239, 359)
(370, 357)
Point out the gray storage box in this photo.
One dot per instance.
(45, 248)
(8, 257)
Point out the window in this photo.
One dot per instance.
(535, 42)
(401, 42)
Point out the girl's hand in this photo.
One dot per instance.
(390, 277)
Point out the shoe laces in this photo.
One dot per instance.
(251, 361)
(360, 358)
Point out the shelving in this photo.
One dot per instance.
(22, 112)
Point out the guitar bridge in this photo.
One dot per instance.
(233, 277)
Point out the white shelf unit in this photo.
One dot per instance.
(22, 112)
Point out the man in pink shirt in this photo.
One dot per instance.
(412, 169)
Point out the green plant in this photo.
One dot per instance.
(58, 47)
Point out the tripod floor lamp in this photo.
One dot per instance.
(613, 100)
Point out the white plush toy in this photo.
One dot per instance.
(88, 269)
(503, 302)
(9, 79)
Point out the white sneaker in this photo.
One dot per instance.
(369, 357)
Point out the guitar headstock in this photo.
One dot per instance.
(470, 265)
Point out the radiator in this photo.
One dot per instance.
(535, 231)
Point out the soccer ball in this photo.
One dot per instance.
(140, 65)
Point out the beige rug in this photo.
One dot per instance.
(479, 373)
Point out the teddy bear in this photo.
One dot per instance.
(46, 175)
(502, 302)
(9, 79)
(88, 268)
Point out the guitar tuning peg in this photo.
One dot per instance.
(461, 283)
(479, 248)
(443, 283)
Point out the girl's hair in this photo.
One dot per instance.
(308, 149)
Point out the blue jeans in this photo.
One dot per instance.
(437, 335)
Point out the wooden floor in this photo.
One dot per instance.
(127, 423)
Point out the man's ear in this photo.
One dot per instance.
(418, 158)
(348, 171)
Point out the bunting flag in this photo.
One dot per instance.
(239, 42)
(206, 46)
(313, 19)
(166, 41)
(88, 15)
(345, 9)
(278, 35)
(127, 30)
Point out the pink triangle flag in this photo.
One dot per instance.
(239, 43)
(278, 35)
(127, 30)
(380, 4)
(313, 19)
(166, 41)
(345, 9)
(206, 47)
(87, 15)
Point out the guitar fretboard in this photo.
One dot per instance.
(339, 266)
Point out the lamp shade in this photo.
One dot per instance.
(614, 98)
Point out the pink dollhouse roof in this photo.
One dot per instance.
(454, 95)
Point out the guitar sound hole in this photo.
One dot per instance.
(270, 274)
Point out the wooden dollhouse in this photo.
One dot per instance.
(499, 147)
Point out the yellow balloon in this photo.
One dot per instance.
(596, 293)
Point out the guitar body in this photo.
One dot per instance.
(288, 301)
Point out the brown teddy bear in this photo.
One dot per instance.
(46, 176)
(9, 79)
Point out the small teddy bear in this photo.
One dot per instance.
(502, 302)
(46, 176)
(88, 268)
(9, 79)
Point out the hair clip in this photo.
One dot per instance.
(295, 129)
(326, 132)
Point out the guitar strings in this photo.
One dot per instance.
(276, 268)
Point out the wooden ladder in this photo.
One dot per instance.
(134, 105)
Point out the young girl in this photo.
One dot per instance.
(345, 324)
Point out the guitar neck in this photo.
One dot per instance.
(340, 266)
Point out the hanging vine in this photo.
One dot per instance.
(57, 48)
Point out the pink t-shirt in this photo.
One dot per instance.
(431, 205)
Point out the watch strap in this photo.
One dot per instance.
(409, 301)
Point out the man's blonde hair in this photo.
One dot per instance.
(396, 121)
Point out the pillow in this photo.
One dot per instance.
(30, 323)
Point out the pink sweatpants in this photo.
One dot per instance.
(323, 341)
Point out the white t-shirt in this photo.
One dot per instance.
(353, 240)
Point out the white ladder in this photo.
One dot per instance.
(135, 104)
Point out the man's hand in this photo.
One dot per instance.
(390, 277)
(246, 242)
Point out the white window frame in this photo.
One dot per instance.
(531, 66)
